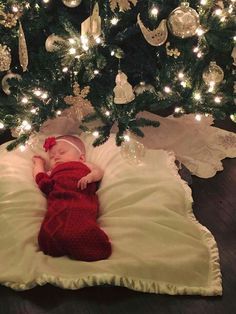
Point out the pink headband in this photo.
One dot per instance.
(51, 141)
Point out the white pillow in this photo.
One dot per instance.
(157, 244)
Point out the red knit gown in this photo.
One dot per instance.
(69, 226)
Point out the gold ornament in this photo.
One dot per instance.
(53, 42)
(5, 85)
(123, 90)
(132, 150)
(123, 5)
(8, 20)
(91, 27)
(5, 58)
(71, 3)
(157, 36)
(143, 87)
(213, 75)
(183, 21)
(23, 52)
(80, 106)
(172, 52)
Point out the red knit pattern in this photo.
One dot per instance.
(70, 227)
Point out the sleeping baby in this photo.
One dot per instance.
(69, 226)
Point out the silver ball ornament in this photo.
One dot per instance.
(51, 43)
(71, 3)
(183, 21)
(213, 74)
(143, 87)
(5, 85)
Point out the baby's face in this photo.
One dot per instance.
(63, 152)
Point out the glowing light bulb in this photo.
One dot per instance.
(98, 40)
(195, 49)
(217, 99)
(218, 11)
(46, 1)
(107, 113)
(167, 89)
(181, 75)
(198, 117)
(203, 2)
(200, 31)
(179, 110)
(37, 92)
(127, 138)
(24, 100)
(197, 96)
(112, 53)
(22, 148)
(114, 20)
(184, 84)
(58, 112)
(72, 41)
(15, 8)
(154, 11)
(65, 69)
(44, 96)
(199, 54)
(1, 125)
(96, 72)
(95, 133)
(72, 51)
(34, 110)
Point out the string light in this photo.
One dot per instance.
(46, 1)
(154, 11)
(114, 20)
(179, 110)
(167, 89)
(1, 125)
(96, 72)
(218, 12)
(203, 2)
(34, 110)
(181, 75)
(127, 138)
(25, 125)
(44, 96)
(198, 117)
(58, 112)
(200, 31)
(24, 100)
(65, 69)
(98, 40)
(15, 8)
(95, 134)
(217, 99)
(233, 117)
(37, 92)
(112, 53)
(72, 41)
(107, 113)
(22, 148)
(197, 96)
(184, 84)
(72, 51)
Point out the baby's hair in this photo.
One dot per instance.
(74, 140)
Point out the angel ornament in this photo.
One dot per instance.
(123, 90)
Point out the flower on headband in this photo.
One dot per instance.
(49, 143)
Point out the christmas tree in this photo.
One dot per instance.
(110, 60)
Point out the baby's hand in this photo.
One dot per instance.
(83, 182)
(38, 160)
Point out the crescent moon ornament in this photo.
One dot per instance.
(156, 37)
(5, 85)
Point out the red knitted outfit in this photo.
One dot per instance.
(69, 227)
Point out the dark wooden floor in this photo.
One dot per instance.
(214, 207)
